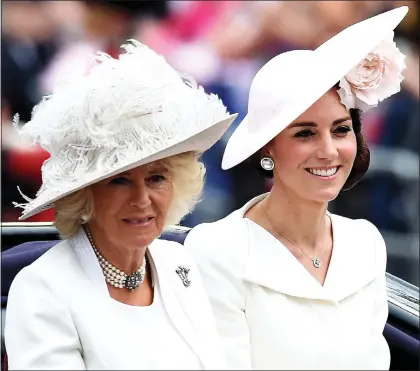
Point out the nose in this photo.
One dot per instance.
(140, 197)
(326, 148)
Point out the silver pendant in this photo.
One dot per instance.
(182, 272)
(316, 262)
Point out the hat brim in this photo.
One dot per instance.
(333, 60)
(199, 142)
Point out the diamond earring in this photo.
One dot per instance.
(267, 163)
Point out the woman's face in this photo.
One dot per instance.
(314, 155)
(130, 209)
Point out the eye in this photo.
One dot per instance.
(156, 178)
(119, 180)
(304, 134)
(343, 130)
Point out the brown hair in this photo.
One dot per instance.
(362, 160)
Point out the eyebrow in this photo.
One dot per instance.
(313, 124)
(157, 168)
(124, 173)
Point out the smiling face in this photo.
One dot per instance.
(314, 155)
(130, 208)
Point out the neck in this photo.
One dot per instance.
(301, 221)
(127, 259)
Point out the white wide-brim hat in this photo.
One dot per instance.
(125, 113)
(293, 81)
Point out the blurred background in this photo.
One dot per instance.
(222, 44)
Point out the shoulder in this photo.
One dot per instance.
(216, 236)
(222, 231)
(175, 247)
(47, 271)
(220, 247)
(38, 286)
(170, 251)
(364, 235)
(359, 229)
(231, 231)
(171, 248)
(56, 260)
(52, 258)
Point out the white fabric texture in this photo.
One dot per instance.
(60, 316)
(153, 330)
(271, 312)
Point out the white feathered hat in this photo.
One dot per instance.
(125, 113)
(363, 58)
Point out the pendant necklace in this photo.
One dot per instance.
(316, 261)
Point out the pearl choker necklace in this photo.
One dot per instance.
(115, 276)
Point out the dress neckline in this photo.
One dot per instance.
(288, 253)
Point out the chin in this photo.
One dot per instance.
(142, 239)
(324, 195)
(139, 233)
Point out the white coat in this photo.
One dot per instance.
(271, 312)
(60, 315)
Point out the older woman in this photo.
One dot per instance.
(124, 146)
(292, 285)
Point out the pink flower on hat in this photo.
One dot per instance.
(375, 78)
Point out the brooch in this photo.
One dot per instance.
(182, 272)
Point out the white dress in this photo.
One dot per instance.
(271, 312)
(154, 333)
(60, 315)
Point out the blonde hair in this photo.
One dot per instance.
(187, 181)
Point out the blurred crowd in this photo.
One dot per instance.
(222, 44)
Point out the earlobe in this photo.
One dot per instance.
(84, 218)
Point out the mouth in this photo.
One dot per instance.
(139, 222)
(324, 172)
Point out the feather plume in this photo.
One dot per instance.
(124, 110)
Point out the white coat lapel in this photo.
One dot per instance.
(182, 308)
(352, 263)
(89, 261)
(192, 300)
(273, 266)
